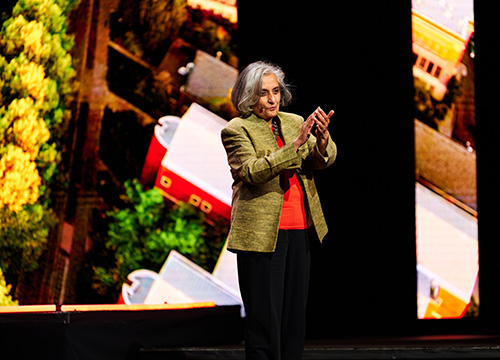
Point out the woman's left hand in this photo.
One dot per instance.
(322, 121)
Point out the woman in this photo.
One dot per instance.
(275, 208)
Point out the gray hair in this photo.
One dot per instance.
(246, 91)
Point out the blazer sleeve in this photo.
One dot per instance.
(256, 168)
(320, 161)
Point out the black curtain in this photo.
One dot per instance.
(354, 58)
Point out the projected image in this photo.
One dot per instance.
(124, 185)
(446, 202)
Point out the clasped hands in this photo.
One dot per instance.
(321, 120)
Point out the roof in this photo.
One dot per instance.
(453, 14)
(196, 153)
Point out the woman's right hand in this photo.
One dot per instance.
(305, 132)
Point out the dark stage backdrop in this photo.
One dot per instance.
(488, 159)
(356, 58)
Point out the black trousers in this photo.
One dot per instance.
(274, 288)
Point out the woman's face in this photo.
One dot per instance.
(270, 96)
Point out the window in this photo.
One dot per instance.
(422, 63)
(430, 67)
(438, 71)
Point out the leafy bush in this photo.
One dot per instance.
(5, 298)
(142, 233)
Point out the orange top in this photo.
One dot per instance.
(293, 213)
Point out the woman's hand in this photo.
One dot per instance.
(322, 120)
(305, 132)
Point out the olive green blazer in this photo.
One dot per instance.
(256, 162)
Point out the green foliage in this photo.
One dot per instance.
(5, 298)
(211, 33)
(142, 233)
(161, 20)
(22, 237)
(36, 89)
(427, 109)
(54, 55)
(148, 27)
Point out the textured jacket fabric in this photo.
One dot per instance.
(256, 163)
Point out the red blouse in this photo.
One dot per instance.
(293, 213)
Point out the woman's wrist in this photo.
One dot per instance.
(296, 144)
(322, 144)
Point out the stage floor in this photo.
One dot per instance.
(206, 332)
(471, 347)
